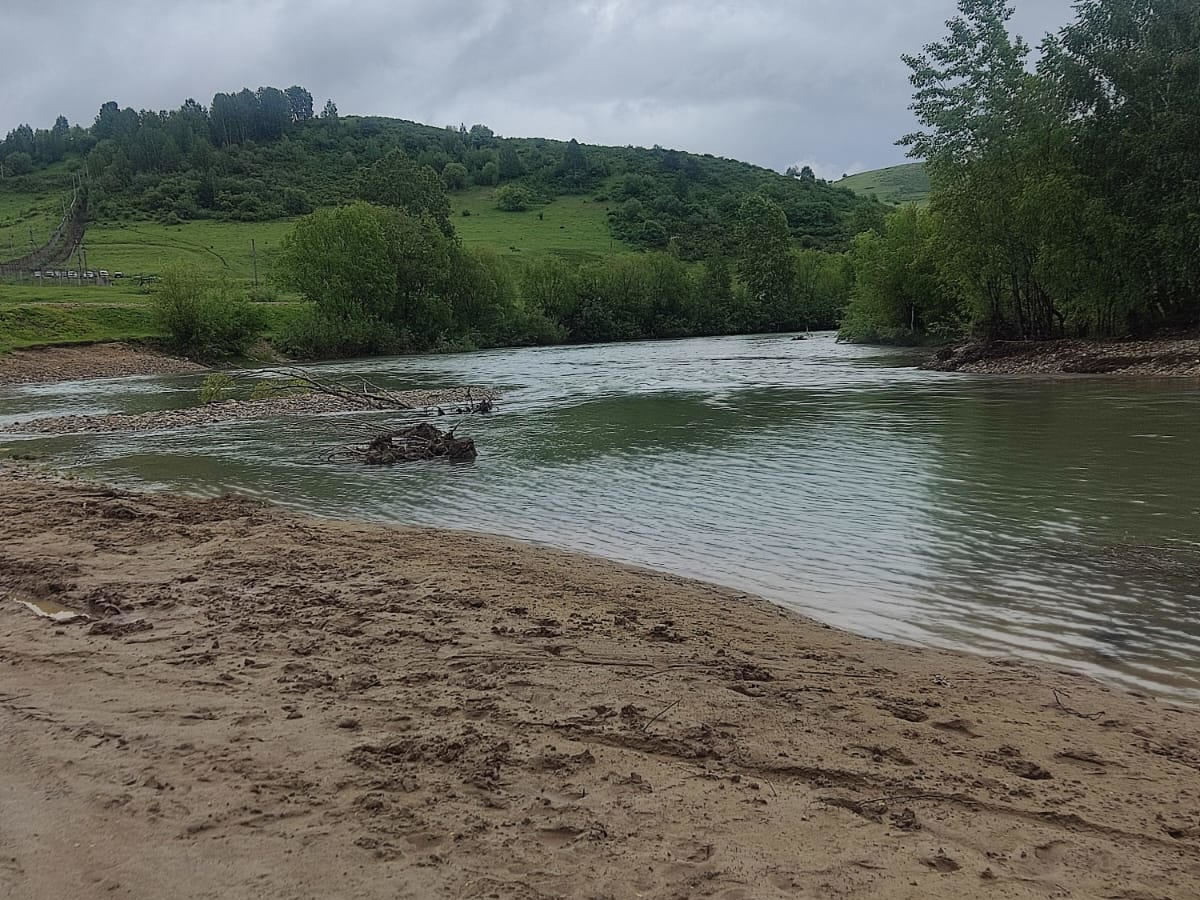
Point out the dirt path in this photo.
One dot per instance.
(107, 360)
(265, 705)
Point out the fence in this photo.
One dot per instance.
(62, 243)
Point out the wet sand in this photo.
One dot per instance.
(107, 360)
(264, 705)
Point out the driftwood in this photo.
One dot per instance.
(355, 391)
(414, 443)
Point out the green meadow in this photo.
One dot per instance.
(572, 227)
(908, 183)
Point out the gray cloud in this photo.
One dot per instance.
(771, 81)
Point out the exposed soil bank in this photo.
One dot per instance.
(109, 360)
(268, 705)
(1168, 357)
(238, 410)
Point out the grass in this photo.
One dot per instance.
(147, 248)
(907, 183)
(574, 228)
(32, 326)
(22, 213)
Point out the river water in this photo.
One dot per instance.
(1053, 518)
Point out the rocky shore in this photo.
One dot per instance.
(222, 699)
(108, 360)
(240, 410)
(1175, 357)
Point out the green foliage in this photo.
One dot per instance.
(202, 317)
(396, 180)
(215, 388)
(900, 293)
(1064, 200)
(313, 334)
(454, 176)
(764, 263)
(19, 163)
(513, 198)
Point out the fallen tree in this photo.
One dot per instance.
(412, 444)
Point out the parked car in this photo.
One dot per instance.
(37, 274)
(104, 273)
(72, 274)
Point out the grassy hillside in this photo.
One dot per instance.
(907, 183)
(197, 186)
(571, 227)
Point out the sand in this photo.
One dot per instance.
(264, 705)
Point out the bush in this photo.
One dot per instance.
(202, 317)
(454, 175)
(312, 334)
(513, 198)
(214, 388)
(19, 163)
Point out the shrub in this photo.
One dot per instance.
(214, 388)
(455, 176)
(202, 317)
(312, 334)
(513, 198)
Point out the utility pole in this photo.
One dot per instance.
(254, 259)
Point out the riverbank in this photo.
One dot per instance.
(264, 703)
(457, 400)
(1165, 357)
(105, 360)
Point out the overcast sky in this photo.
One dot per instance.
(774, 82)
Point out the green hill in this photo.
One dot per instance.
(198, 185)
(908, 183)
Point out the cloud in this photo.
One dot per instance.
(768, 81)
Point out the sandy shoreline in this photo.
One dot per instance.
(268, 705)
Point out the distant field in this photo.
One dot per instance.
(574, 228)
(22, 214)
(571, 227)
(145, 248)
(898, 184)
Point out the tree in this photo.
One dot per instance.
(764, 260)
(300, 103)
(274, 113)
(19, 163)
(481, 136)
(454, 176)
(513, 198)
(510, 166)
(489, 174)
(330, 112)
(397, 180)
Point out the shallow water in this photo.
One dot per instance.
(998, 515)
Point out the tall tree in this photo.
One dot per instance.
(399, 181)
(764, 259)
(300, 102)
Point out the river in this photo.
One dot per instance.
(1050, 518)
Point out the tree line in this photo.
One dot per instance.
(256, 155)
(1066, 196)
(387, 273)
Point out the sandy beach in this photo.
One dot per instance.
(253, 703)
